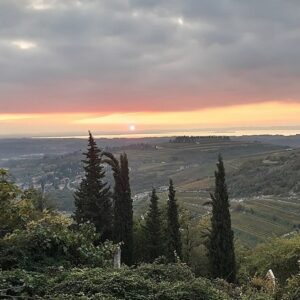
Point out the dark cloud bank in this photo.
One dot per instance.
(129, 55)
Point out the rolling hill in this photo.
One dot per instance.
(263, 180)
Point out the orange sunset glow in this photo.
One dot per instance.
(250, 115)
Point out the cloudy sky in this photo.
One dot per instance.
(70, 65)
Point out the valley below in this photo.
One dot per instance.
(263, 176)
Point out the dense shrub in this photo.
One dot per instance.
(50, 241)
(280, 254)
(146, 282)
(292, 289)
(166, 282)
(15, 209)
(243, 292)
(22, 283)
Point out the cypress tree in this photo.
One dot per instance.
(153, 229)
(127, 211)
(123, 212)
(93, 201)
(220, 243)
(173, 227)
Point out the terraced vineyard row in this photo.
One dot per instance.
(253, 220)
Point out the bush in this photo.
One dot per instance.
(280, 254)
(165, 282)
(22, 283)
(244, 292)
(292, 289)
(148, 281)
(145, 282)
(51, 242)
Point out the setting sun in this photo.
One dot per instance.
(132, 127)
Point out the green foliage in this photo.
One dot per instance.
(220, 244)
(194, 237)
(253, 294)
(292, 289)
(165, 282)
(17, 207)
(20, 283)
(10, 210)
(244, 292)
(33, 237)
(93, 199)
(153, 229)
(50, 241)
(145, 282)
(279, 254)
(123, 212)
(40, 201)
(127, 211)
(174, 247)
(140, 242)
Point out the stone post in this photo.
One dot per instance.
(117, 258)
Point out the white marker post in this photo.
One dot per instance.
(117, 258)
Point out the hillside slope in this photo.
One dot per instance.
(273, 174)
(252, 169)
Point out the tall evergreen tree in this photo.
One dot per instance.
(153, 230)
(220, 244)
(173, 227)
(123, 212)
(93, 201)
(128, 211)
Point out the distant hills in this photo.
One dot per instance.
(291, 141)
(263, 177)
(34, 147)
(273, 174)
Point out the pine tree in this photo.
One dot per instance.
(173, 227)
(123, 212)
(93, 201)
(153, 229)
(220, 244)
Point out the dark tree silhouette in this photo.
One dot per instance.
(173, 227)
(220, 243)
(123, 212)
(93, 202)
(153, 229)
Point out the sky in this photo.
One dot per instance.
(148, 65)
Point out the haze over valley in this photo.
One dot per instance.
(263, 174)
